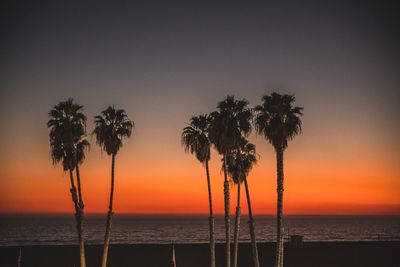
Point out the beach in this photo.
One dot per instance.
(321, 254)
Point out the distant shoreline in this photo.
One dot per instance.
(287, 242)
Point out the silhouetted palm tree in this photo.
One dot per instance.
(195, 140)
(111, 127)
(239, 163)
(67, 126)
(229, 123)
(278, 120)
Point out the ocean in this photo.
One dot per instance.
(164, 229)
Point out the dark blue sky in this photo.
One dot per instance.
(179, 57)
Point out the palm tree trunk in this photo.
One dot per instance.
(251, 227)
(211, 220)
(80, 217)
(282, 248)
(73, 191)
(78, 180)
(279, 225)
(227, 219)
(78, 221)
(109, 217)
(19, 260)
(237, 226)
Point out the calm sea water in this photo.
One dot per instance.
(130, 229)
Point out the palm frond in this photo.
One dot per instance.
(229, 123)
(111, 127)
(194, 137)
(277, 119)
(67, 125)
(241, 160)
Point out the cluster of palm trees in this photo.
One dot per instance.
(69, 145)
(227, 129)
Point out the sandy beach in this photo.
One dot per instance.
(321, 254)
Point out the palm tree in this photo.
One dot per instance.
(239, 163)
(67, 126)
(229, 123)
(278, 120)
(111, 127)
(195, 140)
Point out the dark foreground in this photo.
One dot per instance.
(319, 254)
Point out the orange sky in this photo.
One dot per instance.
(321, 177)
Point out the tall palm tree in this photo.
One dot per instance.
(278, 120)
(239, 163)
(111, 127)
(67, 126)
(229, 123)
(195, 140)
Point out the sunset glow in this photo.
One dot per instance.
(171, 181)
(166, 64)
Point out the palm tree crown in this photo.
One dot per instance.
(67, 126)
(195, 137)
(229, 123)
(240, 163)
(111, 127)
(277, 119)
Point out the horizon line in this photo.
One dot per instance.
(194, 214)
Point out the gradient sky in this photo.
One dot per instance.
(164, 63)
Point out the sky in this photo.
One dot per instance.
(166, 61)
